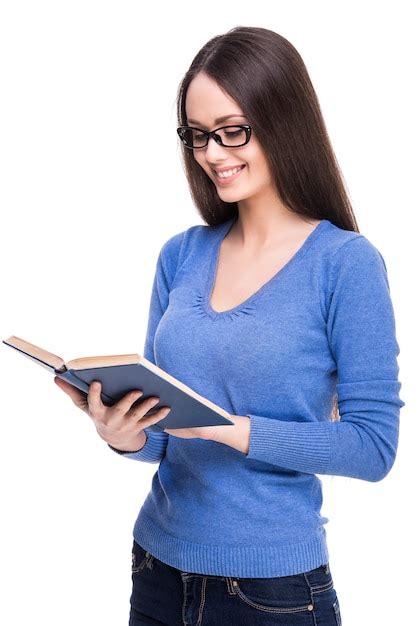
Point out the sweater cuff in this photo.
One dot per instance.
(303, 446)
(152, 451)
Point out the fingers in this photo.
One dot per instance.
(124, 404)
(77, 396)
(153, 419)
(147, 420)
(92, 404)
(118, 410)
(94, 400)
(146, 405)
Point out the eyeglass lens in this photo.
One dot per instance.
(230, 135)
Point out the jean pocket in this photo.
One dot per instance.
(280, 595)
(336, 607)
(140, 558)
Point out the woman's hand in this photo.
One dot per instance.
(236, 436)
(120, 425)
(199, 432)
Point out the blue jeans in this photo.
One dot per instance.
(165, 596)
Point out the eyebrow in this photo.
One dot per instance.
(218, 120)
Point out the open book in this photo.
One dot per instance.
(121, 373)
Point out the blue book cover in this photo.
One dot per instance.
(120, 374)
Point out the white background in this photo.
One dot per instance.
(91, 187)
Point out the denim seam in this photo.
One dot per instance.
(322, 588)
(270, 609)
(337, 612)
(202, 601)
(229, 586)
(183, 611)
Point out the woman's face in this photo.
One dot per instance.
(205, 103)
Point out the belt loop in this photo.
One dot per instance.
(231, 583)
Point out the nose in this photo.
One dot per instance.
(214, 150)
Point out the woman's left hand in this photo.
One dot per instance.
(236, 436)
(200, 432)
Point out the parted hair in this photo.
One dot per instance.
(264, 73)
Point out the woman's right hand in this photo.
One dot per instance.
(120, 425)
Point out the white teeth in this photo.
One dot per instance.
(229, 172)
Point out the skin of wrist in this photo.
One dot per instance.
(131, 446)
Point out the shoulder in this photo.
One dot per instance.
(173, 246)
(196, 236)
(174, 249)
(347, 249)
(352, 267)
(349, 266)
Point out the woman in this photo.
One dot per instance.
(278, 310)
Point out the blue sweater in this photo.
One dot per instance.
(323, 325)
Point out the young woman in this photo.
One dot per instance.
(278, 310)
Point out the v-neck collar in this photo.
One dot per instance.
(214, 261)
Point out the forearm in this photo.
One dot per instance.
(355, 446)
(359, 446)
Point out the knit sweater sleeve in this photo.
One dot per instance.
(156, 442)
(360, 327)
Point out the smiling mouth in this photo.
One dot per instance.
(227, 175)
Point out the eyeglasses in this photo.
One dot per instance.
(227, 136)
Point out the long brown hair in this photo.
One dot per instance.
(264, 73)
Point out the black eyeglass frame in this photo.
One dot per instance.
(216, 137)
